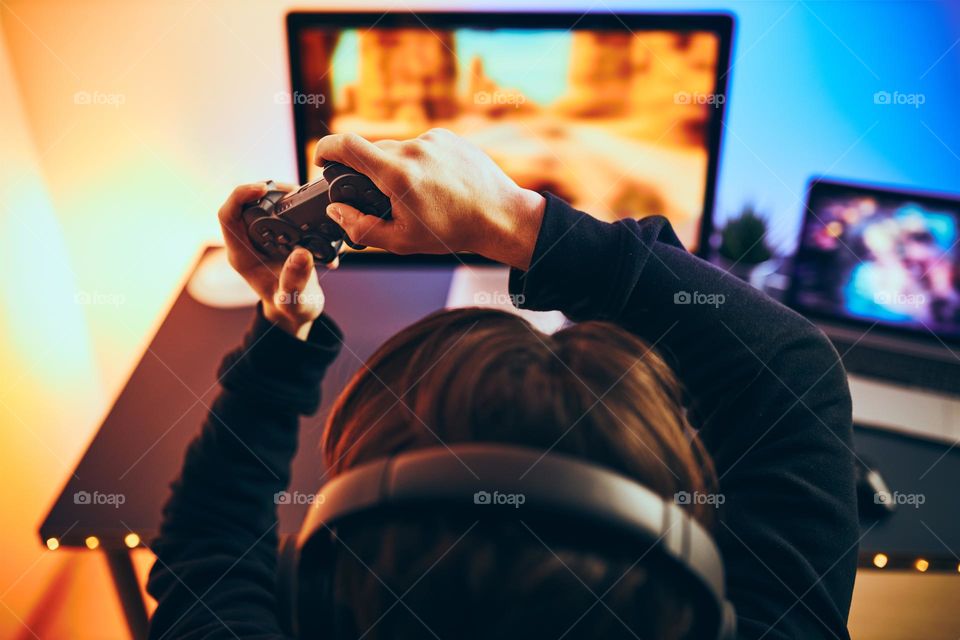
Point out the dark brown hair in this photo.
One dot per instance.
(592, 390)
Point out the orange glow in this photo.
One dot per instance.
(53, 544)
(132, 540)
(921, 565)
(92, 542)
(880, 560)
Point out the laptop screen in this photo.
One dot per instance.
(618, 114)
(880, 256)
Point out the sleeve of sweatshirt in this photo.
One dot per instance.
(765, 388)
(217, 551)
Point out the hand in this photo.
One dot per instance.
(447, 196)
(291, 294)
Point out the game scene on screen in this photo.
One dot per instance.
(887, 260)
(614, 122)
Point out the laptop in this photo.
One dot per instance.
(878, 270)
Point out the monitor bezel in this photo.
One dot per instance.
(820, 185)
(720, 23)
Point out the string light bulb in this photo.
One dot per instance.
(921, 565)
(92, 542)
(880, 560)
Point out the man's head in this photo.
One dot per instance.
(593, 391)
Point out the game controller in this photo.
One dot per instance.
(280, 221)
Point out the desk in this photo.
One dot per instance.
(121, 483)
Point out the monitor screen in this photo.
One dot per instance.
(881, 256)
(620, 117)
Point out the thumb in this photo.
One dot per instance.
(294, 276)
(362, 228)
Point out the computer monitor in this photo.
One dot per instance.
(875, 256)
(618, 113)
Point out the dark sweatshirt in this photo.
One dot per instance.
(765, 388)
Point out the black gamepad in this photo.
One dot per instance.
(279, 221)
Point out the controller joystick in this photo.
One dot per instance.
(279, 221)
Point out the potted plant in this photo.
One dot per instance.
(743, 243)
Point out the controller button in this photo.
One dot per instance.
(267, 234)
(305, 227)
(283, 239)
(348, 192)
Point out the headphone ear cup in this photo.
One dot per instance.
(314, 613)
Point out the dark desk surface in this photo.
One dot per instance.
(139, 448)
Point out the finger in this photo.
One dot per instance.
(295, 274)
(361, 228)
(230, 209)
(285, 186)
(334, 264)
(231, 222)
(355, 152)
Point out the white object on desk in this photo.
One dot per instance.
(487, 286)
(910, 411)
(216, 284)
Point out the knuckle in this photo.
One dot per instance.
(413, 148)
(352, 143)
(437, 132)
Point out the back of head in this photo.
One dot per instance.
(593, 391)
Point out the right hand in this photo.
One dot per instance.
(447, 196)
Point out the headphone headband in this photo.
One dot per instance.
(506, 481)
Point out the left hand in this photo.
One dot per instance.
(290, 292)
